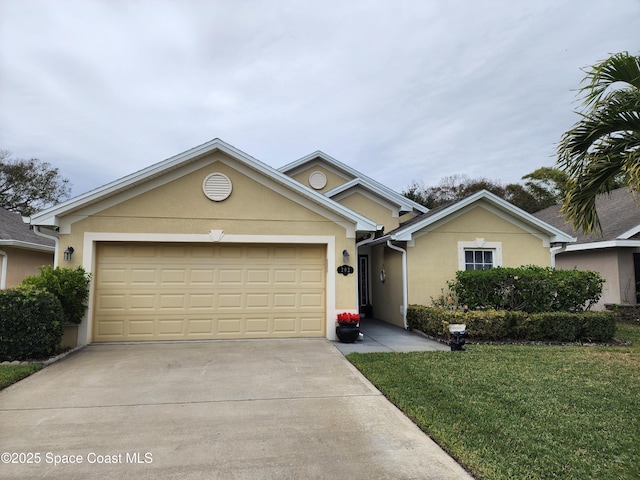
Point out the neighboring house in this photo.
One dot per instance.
(22, 252)
(615, 253)
(214, 244)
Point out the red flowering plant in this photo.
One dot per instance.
(350, 318)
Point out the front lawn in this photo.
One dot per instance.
(519, 411)
(12, 373)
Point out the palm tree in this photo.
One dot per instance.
(603, 148)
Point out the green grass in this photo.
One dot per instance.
(10, 374)
(525, 412)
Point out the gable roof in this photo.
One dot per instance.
(619, 214)
(14, 232)
(51, 216)
(356, 178)
(405, 232)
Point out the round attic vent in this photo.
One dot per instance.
(318, 180)
(217, 187)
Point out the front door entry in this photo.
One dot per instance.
(363, 283)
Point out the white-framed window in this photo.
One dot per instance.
(479, 255)
(478, 259)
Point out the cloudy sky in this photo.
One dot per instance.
(401, 90)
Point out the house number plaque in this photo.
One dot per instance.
(345, 269)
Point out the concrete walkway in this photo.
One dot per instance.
(262, 409)
(381, 336)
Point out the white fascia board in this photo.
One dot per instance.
(361, 223)
(375, 197)
(51, 216)
(358, 177)
(605, 244)
(27, 246)
(555, 235)
(629, 233)
(394, 203)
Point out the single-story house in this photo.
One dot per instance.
(22, 251)
(614, 253)
(214, 244)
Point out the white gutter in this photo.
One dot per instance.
(555, 251)
(405, 296)
(36, 230)
(3, 275)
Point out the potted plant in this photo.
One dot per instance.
(348, 328)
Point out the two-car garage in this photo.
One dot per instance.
(197, 291)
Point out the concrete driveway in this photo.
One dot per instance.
(281, 409)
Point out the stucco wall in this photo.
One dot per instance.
(433, 260)
(333, 180)
(23, 263)
(375, 211)
(615, 265)
(180, 207)
(386, 297)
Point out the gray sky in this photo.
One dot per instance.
(401, 90)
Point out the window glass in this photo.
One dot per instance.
(480, 259)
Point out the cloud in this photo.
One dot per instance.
(403, 91)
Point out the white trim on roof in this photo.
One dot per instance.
(605, 244)
(27, 246)
(359, 178)
(51, 216)
(629, 233)
(556, 235)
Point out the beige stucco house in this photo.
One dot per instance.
(214, 244)
(614, 252)
(22, 252)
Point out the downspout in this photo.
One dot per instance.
(36, 230)
(555, 251)
(3, 275)
(405, 296)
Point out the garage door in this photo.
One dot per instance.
(196, 291)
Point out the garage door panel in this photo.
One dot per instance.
(201, 301)
(201, 276)
(258, 277)
(139, 276)
(173, 276)
(311, 324)
(173, 327)
(141, 301)
(174, 292)
(141, 328)
(257, 300)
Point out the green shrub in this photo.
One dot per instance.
(598, 326)
(499, 325)
(529, 288)
(71, 286)
(626, 313)
(30, 323)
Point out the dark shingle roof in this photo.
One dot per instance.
(12, 228)
(618, 211)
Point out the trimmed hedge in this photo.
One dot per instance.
(30, 323)
(497, 325)
(529, 288)
(625, 313)
(70, 285)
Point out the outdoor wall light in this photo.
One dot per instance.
(345, 256)
(67, 253)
